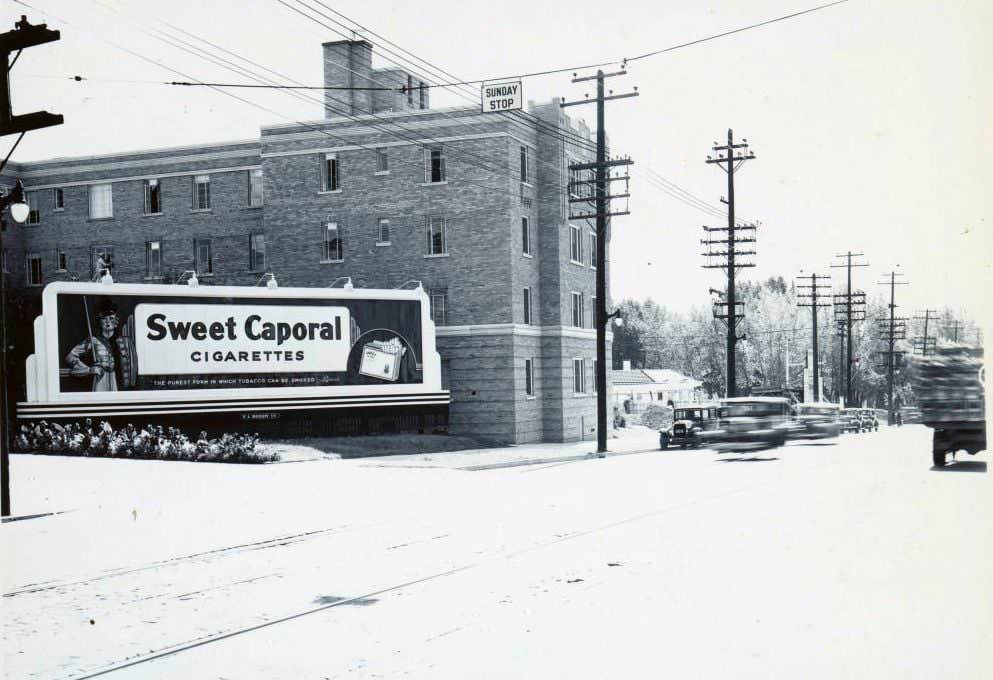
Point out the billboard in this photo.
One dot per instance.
(152, 343)
(507, 96)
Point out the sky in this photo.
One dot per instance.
(870, 120)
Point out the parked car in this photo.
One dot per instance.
(851, 420)
(690, 426)
(752, 422)
(869, 421)
(818, 420)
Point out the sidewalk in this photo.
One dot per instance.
(622, 442)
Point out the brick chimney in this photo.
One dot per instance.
(347, 63)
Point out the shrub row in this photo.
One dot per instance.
(152, 442)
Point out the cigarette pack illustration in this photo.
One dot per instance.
(382, 359)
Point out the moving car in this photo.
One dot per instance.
(869, 420)
(690, 426)
(818, 420)
(752, 422)
(851, 420)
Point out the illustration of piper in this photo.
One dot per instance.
(108, 356)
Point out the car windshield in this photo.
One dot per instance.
(688, 414)
(817, 411)
(751, 409)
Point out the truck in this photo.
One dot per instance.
(950, 396)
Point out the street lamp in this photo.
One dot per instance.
(19, 210)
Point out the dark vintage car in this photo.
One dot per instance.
(690, 426)
(752, 422)
(851, 420)
(817, 420)
(869, 421)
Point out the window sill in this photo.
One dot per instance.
(577, 263)
(99, 219)
(381, 173)
(530, 397)
(156, 214)
(529, 185)
(58, 209)
(153, 278)
(579, 395)
(332, 261)
(331, 191)
(383, 243)
(434, 184)
(528, 255)
(254, 207)
(435, 255)
(201, 210)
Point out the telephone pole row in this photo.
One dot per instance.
(853, 308)
(601, 212)
(730, 157)
(894, 328)
(814, 290)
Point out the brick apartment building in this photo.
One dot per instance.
(383, 190)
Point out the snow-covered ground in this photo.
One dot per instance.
(852, 560)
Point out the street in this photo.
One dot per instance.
(848, 558)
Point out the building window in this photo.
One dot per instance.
(526, 235)
(437, 242)
(593, 250)
(331, 247)
(434, 166)
(579, 376)
(153, 259)
(527, 306)
(594, 376)
(204, 251)
(446, 369)
(256, 252)
(576, 244)
(525, 165)
(201, 192)
(578, 310)
(34, 215)
(439, 305)
(330, 175)
(592, 311)
(382, 161)
(255, 188)
(101, 261)
(153, 197)
(422, 91)
(58, 198)
(529, 377)
(101, 201)
(61, 260)
(410, 89)
(383, 236)
(34, 271)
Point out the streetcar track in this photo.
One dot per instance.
(228, 550)
(201, 641)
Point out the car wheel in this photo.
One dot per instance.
(664, 442)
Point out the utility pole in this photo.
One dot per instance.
(894, 328)
(727, 155)
(853, 307)
(23, 36)
(955, 330)
(815, 290)
(601, 212)
(925, 343)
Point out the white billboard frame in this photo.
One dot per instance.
(43, 379)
